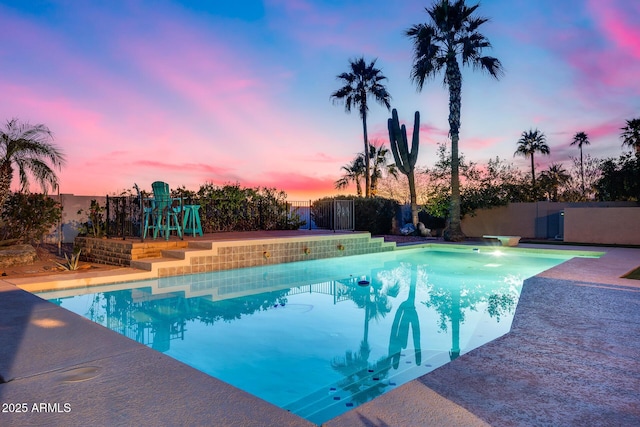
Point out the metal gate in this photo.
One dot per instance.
(336, 215)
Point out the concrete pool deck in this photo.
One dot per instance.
(571, 358)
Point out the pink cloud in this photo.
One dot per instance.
(295, 184)
(323, 158)
(481, 144)
(619, 22)
(197, 167)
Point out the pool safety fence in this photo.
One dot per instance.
(335, 214)
(124, 215)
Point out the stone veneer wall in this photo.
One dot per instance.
(121, 253)
(240, 254)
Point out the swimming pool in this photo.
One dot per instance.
(321, 337)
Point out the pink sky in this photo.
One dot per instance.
(140, 91)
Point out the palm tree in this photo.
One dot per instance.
(28, 148)
(363, 81)
(531, 142)
(380, 156)
(554, 178)
(631, 134)
(352, 173)
(581, 139)
(452, 33)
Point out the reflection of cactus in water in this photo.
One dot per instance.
(405, 159)
(406, 317)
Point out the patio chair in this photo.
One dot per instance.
(165, 214)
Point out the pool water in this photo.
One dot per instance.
(321, 337)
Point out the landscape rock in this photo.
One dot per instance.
(407, 229)
(17, 255)
(424, 231)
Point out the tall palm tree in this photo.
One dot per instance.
(531, 142)
(451, 34)
(581, 139)
(353, 172)
(362, 82)
(631, 134)
(30, 149)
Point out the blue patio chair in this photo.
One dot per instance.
(150, 217)
(165, 213)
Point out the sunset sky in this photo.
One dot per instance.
(190, 92)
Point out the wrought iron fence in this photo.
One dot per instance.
(245, 215)
(124, 215)
(334, 214)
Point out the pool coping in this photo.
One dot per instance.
(101, 379)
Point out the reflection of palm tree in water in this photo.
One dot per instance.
(364, 380)
(452, 299)
(406, 316)
(361, 379)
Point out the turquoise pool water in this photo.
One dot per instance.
(321, 337)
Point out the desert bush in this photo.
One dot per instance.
(95, 225)
(374, 214)
(28, 217)
(233, 208)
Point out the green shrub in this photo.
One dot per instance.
(374, 214)
(95, 225)
(29, 217)
(233, 208)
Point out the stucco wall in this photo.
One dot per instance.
(71, 220)
(542, 220)
(610, 225)
(515, 219)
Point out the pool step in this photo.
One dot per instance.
(206, 256)
(337, 398)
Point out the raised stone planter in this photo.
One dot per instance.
(17, 255)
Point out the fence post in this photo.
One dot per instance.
(106, 223)
(334, 214)
(123, 215)
(309, 213)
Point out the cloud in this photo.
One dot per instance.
(295, 184)
(619, 22)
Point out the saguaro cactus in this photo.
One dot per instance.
(406, 159)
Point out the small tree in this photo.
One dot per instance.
(619, 179)
(553, 179)
(95, 225)
(353, 172)
(631, 135)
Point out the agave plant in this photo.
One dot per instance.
(72, 263)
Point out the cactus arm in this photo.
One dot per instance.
(405, 159)
(415, 140)
(394, 145)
